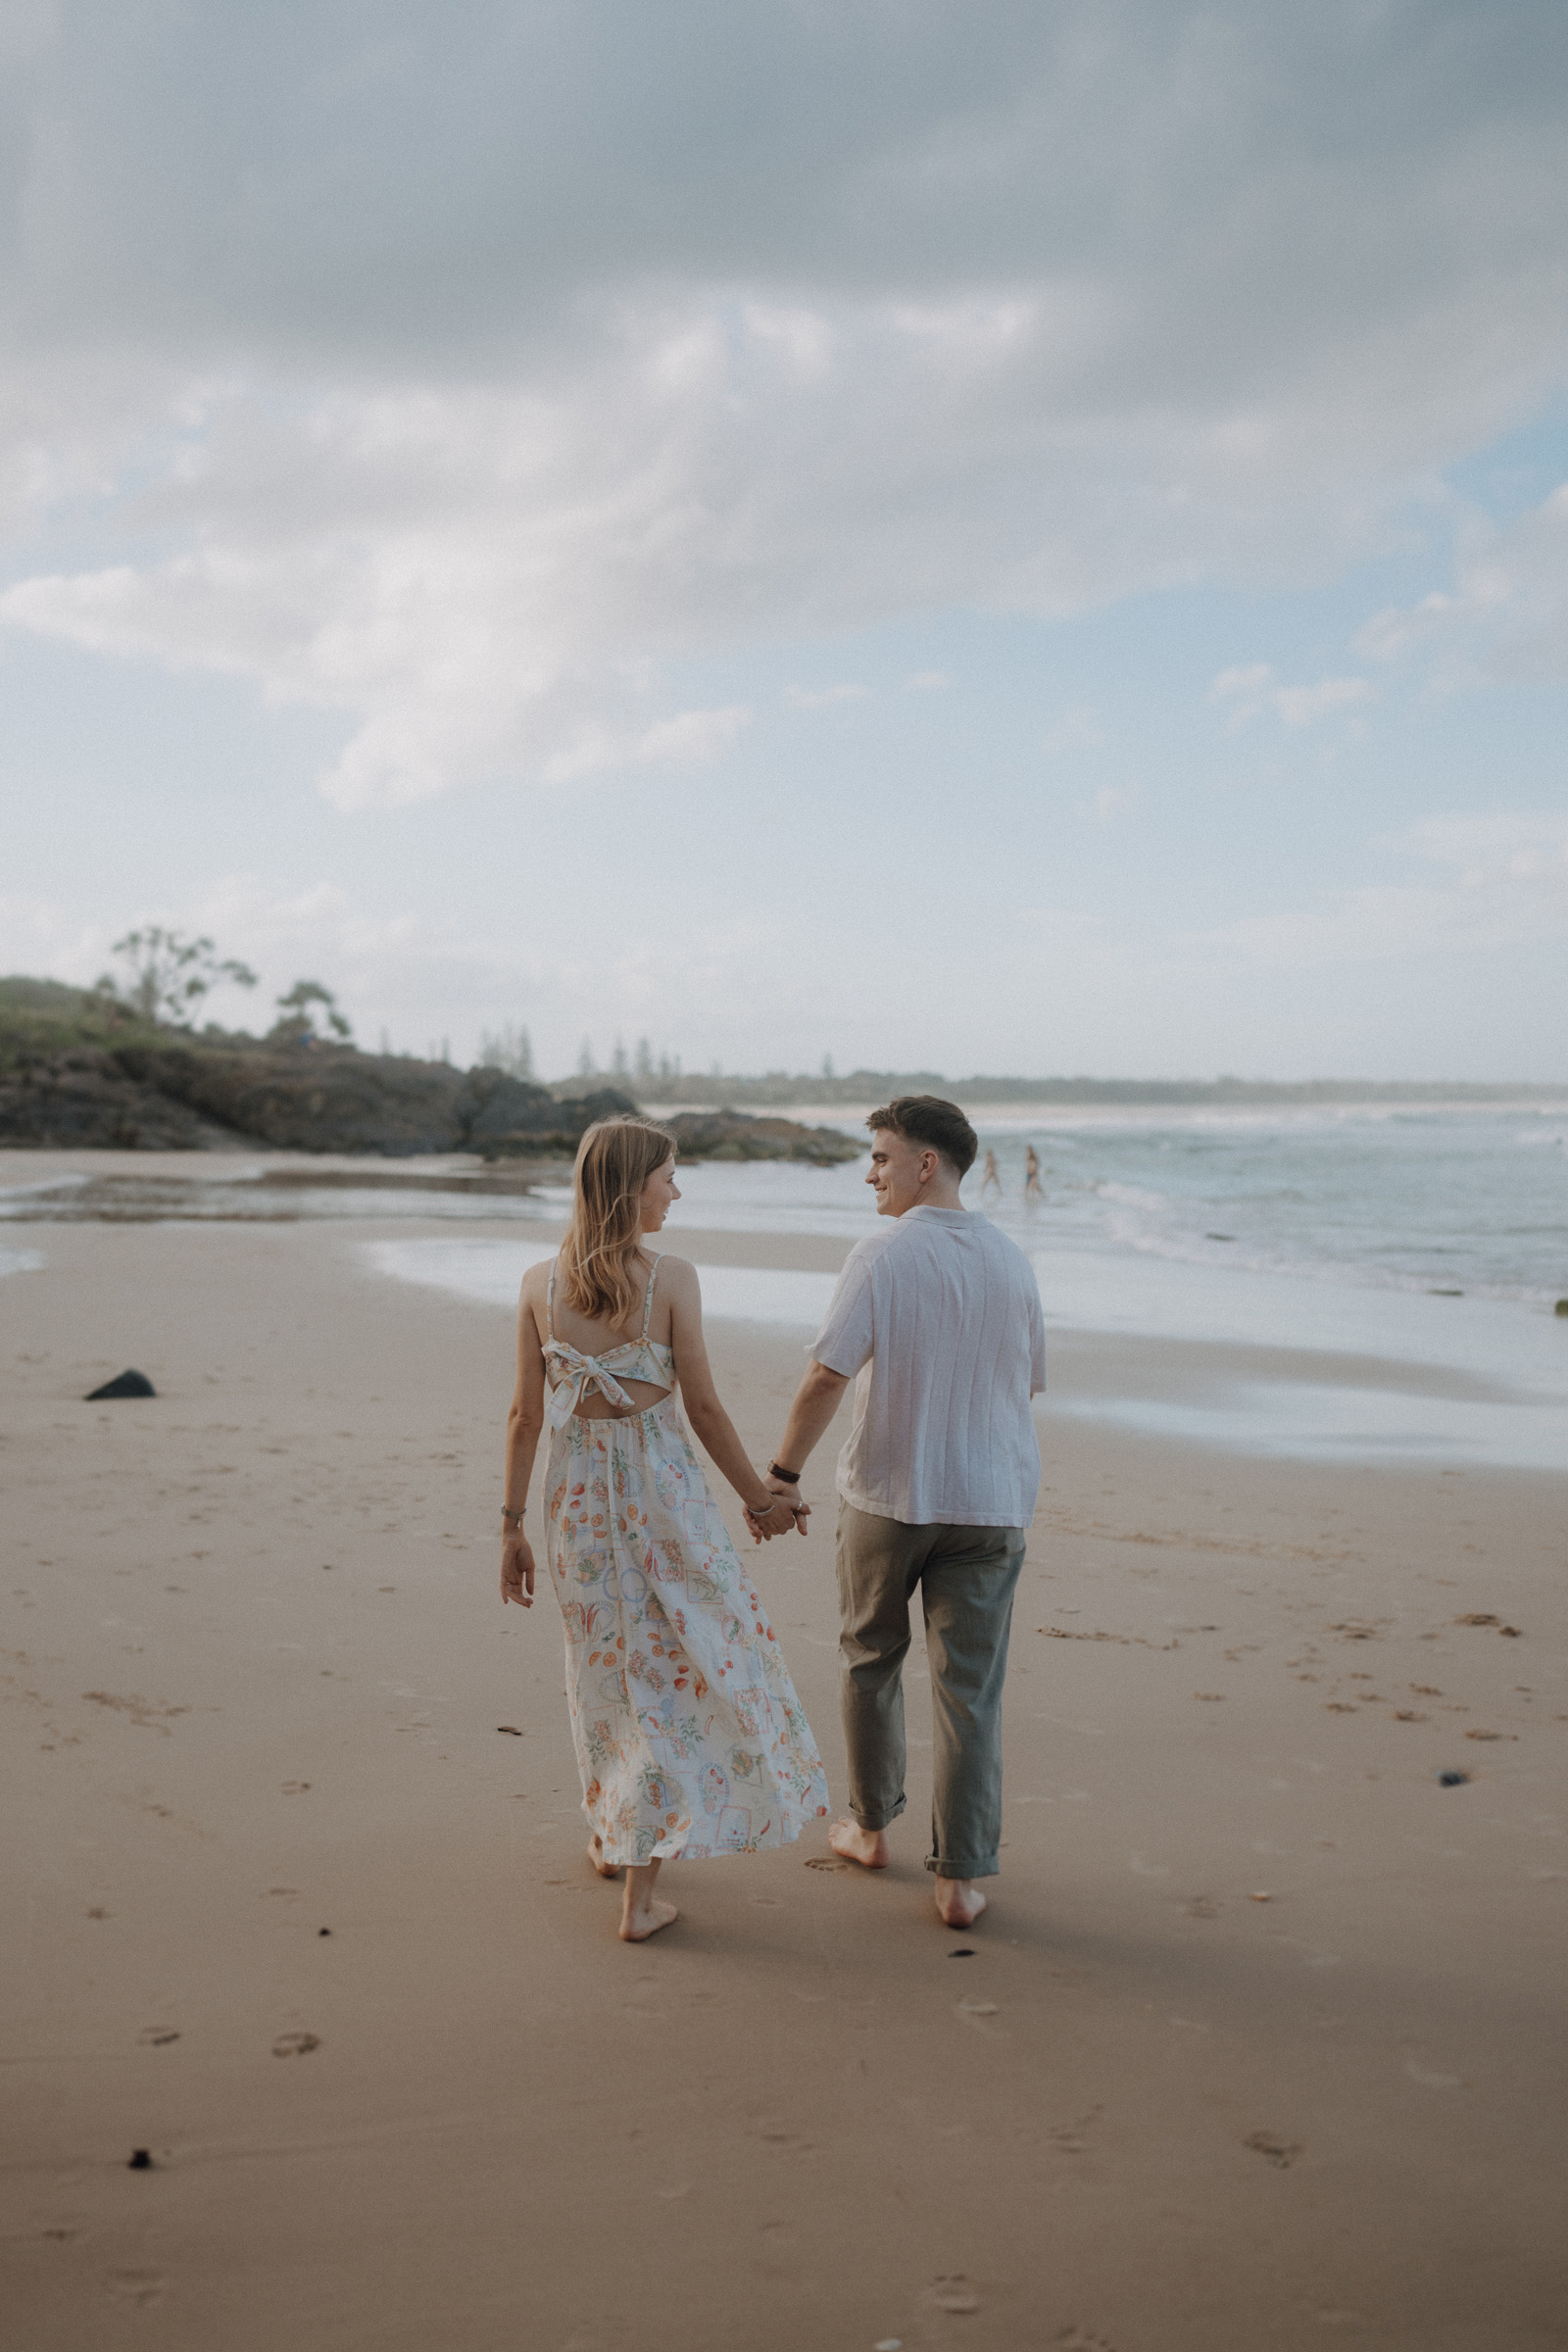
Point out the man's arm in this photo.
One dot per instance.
(1037, 1341)
(816, 1400)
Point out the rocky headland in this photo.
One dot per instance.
(78, 1070)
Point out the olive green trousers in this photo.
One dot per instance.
(967, 1578)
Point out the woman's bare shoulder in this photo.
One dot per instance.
(536, 1282)
(678, 1271)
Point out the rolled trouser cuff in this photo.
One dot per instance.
(963, 1866)
(887, 1815)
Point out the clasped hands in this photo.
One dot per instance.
(765, 1526)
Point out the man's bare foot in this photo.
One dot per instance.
(959, 1902)
(596, 1855)
(869, 1846)
(637, 1926)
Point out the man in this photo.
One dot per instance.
(939, 1315)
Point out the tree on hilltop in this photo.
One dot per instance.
(307, 1014)
(166, 977)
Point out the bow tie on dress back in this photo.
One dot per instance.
(580, 1376)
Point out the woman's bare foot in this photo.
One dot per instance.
(637, 1926)
(959, 1902)
(642, 1915)
(869, 1846)
(596, 1855)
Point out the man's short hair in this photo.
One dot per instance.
(926, 1119)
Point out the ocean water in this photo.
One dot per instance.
(1432, 1240)
(1412, 1200)
(1427, 1248)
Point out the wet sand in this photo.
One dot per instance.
(256, 1676)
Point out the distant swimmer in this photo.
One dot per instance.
(990, 1181)
(1031, 1176)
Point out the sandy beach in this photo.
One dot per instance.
(1261, 2044)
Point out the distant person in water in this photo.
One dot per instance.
(990, 1181)
(938, 1314)
(1032, 1193)
(690, 1738)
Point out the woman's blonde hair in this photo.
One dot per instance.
(614, 1160)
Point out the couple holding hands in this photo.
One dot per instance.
(690, 1737)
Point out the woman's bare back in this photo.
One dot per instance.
(597, 1336)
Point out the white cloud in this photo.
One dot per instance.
(1110, 802)
(458, 376)
(1506, 619)
(822, 698)
(1254, 689)
(692, 739)
(1500, 879)
(927, 681)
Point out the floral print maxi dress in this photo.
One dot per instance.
(690, 1737)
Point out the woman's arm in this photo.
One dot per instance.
(706, 1415)
(525, 1419)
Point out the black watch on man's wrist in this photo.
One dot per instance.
(791, 1478)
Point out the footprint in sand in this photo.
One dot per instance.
(157, 2037)
(954, 2293)
(1282, 2153)
(137, 2286)
(827, 1862)
(295, 2045)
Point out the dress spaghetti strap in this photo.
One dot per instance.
(648, 1295)
(549, 1302)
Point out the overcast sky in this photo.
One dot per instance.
(984, 537)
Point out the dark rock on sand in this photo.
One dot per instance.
(126, 1383)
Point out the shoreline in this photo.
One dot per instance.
(1230, 1359)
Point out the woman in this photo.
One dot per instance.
(690, 1738)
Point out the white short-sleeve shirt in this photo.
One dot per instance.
(940, 1315)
